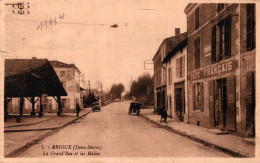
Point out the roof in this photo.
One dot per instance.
(180, 42)
(36, 75)
(64, 65)
(171, 42)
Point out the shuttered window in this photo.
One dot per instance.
(198, 96)
(224, 41)
(169, 75)
(213, 45)
(197, 53)
(250, 27)
(178, 67)
(220, 7)
(182, 66)
(227, 37)
(197, 18)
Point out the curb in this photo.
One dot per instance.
(25, 147)
(28, 124)
(202, 141)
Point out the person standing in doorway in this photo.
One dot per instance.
(77, 109)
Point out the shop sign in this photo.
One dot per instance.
(216, 70)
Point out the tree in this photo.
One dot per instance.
(116, 90)
(142, 89)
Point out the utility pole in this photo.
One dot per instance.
(101, 93)
(88, 86)
(132, 86)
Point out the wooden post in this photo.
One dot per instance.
(59, 106)
(33, 106)
(21, 105)
(41, 107)
(5, 109)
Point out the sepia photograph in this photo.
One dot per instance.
(128, 81)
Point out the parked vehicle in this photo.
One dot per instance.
(96, 107)
(135, 108)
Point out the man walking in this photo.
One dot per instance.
(77, 109)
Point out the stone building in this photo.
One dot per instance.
(69, 76)
(175, 62)
(221, 66)
(160, 76)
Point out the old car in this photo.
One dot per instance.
(96, 106)
(135, 108)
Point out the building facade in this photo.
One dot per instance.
(176, 66)
(221, 66)
(69, 76)
(160, 70)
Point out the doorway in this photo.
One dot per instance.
(250, 103)
(220, 103)
(179, 101)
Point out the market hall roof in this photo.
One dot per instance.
(31, 77)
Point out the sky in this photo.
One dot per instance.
(79, 32)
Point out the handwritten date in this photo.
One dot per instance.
(51, 22)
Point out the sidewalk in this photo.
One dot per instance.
(232, 144)
(19, 136)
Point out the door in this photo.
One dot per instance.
(179, 100)
(220, 103)
(230, 112)
(250, 103)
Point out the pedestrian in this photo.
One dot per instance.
(77, 109)
(163, 114)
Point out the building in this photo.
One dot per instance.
(221, 66)
(160, 90)
(69, 76)
(175, 62)
(29, 82)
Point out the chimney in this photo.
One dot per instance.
(34, 57)
(177, 31)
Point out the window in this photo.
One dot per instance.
(223, 31)
(198, 96)
(197, 20)
(220, 7)
(182, 66)
(169, 75)
(62, 73)
(213, 45)
(250, 27)
(197, 53)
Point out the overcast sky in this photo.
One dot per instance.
(82, 34)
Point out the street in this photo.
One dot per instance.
(114, 133)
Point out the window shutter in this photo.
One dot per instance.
(211, 103)
(197, 14)
(194, 97)
(213, 45)
(201, 97)
(178, 67)
(197, 53)
(228, 36)
(231, 103)
(250, 28)
(183, 66)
